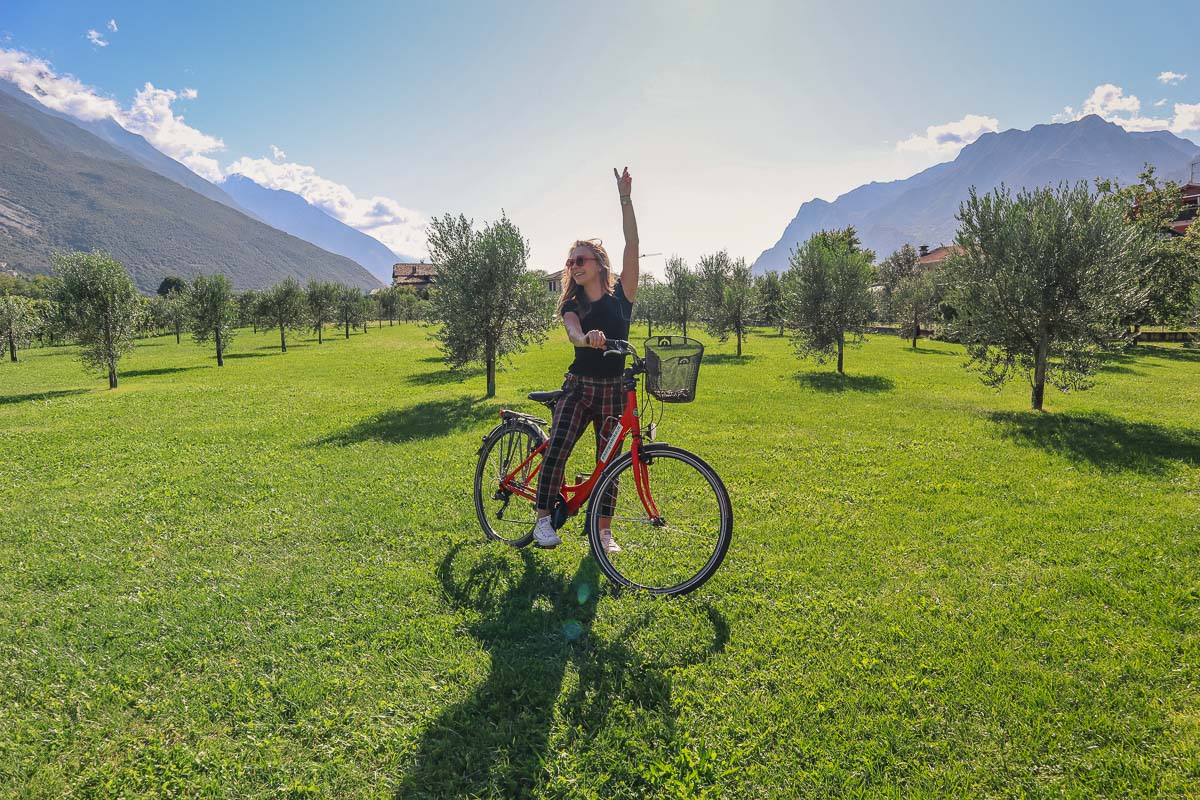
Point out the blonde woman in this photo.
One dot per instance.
(594, 307)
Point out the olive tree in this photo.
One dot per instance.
(915, 300)
(683, 292)
(212, 312)
(828, 296)
(488, 303)
(389, 304)
(321, 298)
(652, 305)
(19, 320)
(283, 306)
(1043, 283)
(349, 307)
(768, 291)
(893, 271)
(101, 307)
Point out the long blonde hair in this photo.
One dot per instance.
(572, 290)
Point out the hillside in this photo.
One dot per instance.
(62, 187)
(293, 214)
(920, 210)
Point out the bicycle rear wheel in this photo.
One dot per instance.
(504, 516)
(680, 550)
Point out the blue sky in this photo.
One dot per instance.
(729, 115)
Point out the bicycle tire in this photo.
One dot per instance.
(499, 452)
(648, 548)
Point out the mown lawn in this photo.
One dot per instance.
(267, 580)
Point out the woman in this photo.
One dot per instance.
(594, 309)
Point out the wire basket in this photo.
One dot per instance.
(672, 366)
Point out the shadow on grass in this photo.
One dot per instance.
(929, 351)
(247, 355)
(13, 399)
(426, 420)
(445, 376)
(1175, 353)
(533, 624)
(836, 382)
(145, 373)
(1105, 441)
(726, 358)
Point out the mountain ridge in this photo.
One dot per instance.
(920, 209)
(64, 188)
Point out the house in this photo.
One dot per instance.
(932, 259)
(417, 275)
(1190, 199)
(551, 280)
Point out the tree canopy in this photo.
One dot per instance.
(212, 312)
(1044, 283)
(489, 306)
(828, 299)
(101, 307)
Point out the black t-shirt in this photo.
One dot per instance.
(609, 314)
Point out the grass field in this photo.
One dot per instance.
(267, 580)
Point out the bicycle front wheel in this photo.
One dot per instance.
(504, 516)
(677, 551)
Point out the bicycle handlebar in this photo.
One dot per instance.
(623, 348)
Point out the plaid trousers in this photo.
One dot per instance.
(599, 401)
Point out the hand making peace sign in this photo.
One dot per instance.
(624, 182)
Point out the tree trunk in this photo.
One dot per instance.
(112, 374)
(841, 339)
(177, 327)
(12, 344)
(916, 330)
(320, 329)
(1039, 372)
(282, 339)
(739, 340)
(108, 347)
(220, 354)
(391, 321)
(381, 323)
(649, 328)
(491, 370)
(347, 329)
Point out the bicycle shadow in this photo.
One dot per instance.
(534, 625)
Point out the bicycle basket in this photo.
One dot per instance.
(672, 366)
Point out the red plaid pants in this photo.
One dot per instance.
(598, 401)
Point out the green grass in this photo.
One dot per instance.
(267, 581)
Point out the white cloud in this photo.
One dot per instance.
(1171, 78)
(1111, 103)
(1187, 117)
(277, 154)
(95, 38)
(112, 25)
(399, 228)
(189, 94)
(60, 92)
(152, 116)
(947, 139)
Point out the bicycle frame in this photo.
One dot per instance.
(577, 494)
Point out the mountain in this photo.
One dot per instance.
(920, 210)
(62, 187)
(290, 212)
(133, 145)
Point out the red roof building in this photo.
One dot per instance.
(1190, 197)
(929, 259)
(415, 275)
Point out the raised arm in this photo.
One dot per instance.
(629, 262)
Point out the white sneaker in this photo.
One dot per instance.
(608, 542)
(544, 535)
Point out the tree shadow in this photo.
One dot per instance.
(1176, 353)
(247, 355)
(1104, 441)
(727, 358)
(144, 373)
(533, 624)
(426, 420)
(442, 377)
(837, 382)
(929, 351)
(13, 399)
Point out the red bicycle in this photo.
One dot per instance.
(674, 524)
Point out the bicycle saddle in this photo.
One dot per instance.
(549, 398)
